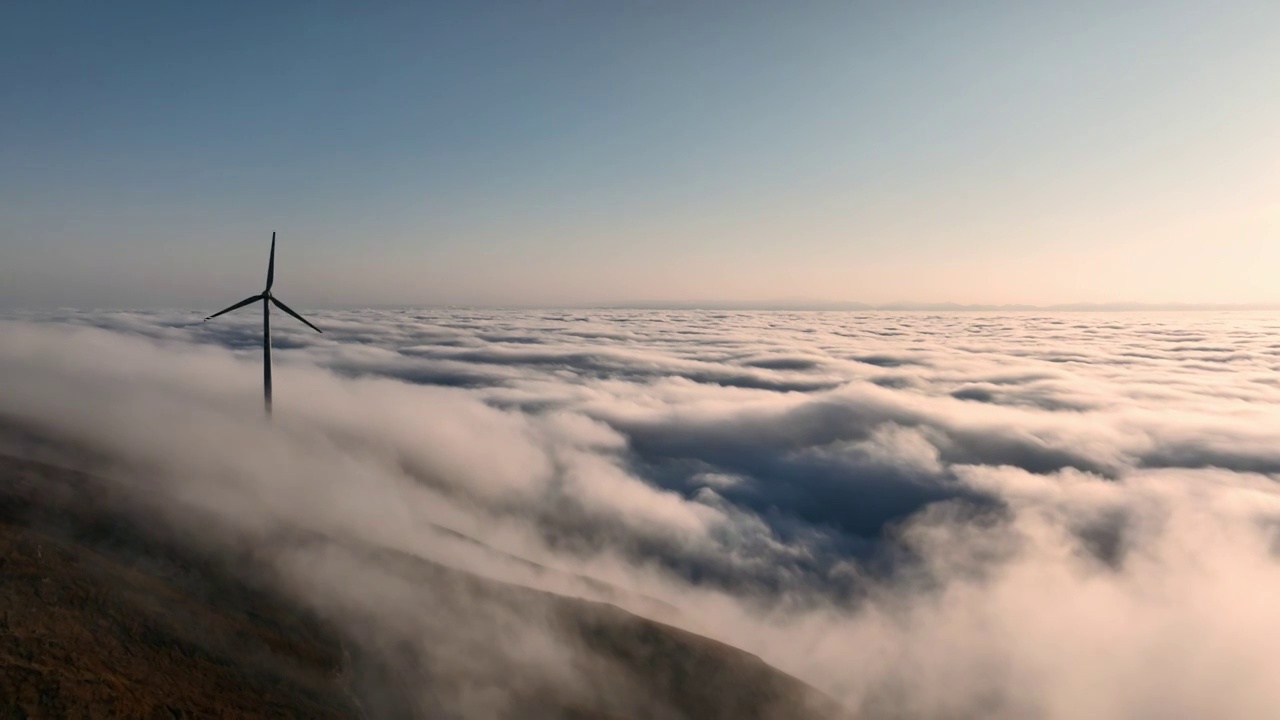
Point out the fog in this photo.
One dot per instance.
(923, 515)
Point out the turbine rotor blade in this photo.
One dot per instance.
(287, 309)
(271, 264)
(237, 306)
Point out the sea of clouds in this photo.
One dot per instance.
(925, 515)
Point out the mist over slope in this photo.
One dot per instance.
(923, 515)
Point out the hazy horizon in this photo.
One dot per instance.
(716, 306)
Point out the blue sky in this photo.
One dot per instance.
(545, 152)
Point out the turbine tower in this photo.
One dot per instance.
(267, 301)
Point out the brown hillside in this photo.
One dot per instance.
(101, 619)
(98, 623)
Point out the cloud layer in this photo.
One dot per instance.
(925, 515)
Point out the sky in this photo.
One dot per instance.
(548, 152)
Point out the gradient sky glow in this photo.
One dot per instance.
(559, 151)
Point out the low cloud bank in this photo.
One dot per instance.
(926, 516)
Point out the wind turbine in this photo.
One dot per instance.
(267, 300)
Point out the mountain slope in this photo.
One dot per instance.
(103, 617)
